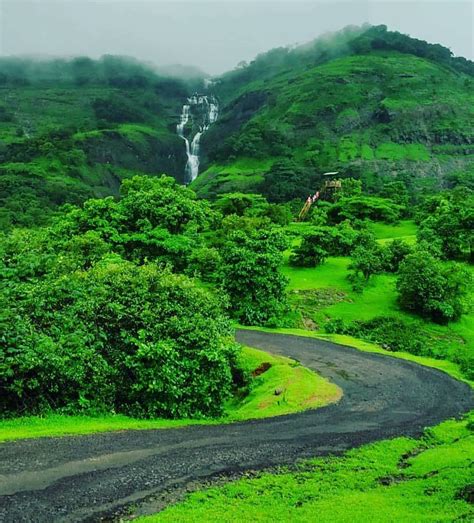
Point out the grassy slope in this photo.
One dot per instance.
(378, 299)
(328, 117)
(301, 389)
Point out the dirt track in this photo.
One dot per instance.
(82, 478)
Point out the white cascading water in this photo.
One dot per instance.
(205, 107)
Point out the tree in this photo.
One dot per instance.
(241, 204)
(364, 207)
(394, 253)
(251, 275)
(285, 181)
(310, 252)
(430, 288)
(449, 223)
(155, 219)
(117, 338)
(365, 261)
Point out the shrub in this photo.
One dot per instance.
(432, 289)
(251, 276)
(394, 253)
(116, 338)
(310, 252)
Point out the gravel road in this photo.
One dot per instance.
(86, 477)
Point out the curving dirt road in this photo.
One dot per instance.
(83, 478)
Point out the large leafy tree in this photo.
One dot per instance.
(449, 224)
(155, 219)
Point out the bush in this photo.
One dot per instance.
(365, 261)
(156, 219)
(393, 255)
(432, 289)
(251, 276)
(322, 242)
(115, 338)
(390, 333)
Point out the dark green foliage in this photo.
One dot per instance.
(251, 275)
(397, 192)
(241, 204)
(432, 289)
(286, 181)
(324, 241)
(253, 205)
(448, 224)
(365, 261)
(279, 214)
(378, 37)
(204, 263)
(156, 219)
(365, 207)
(394, 253)
(109, 70)
(116, 109)
(392, 334)
(400, 335)
(84, 329)
(117, 338)
(5, 114)
(310, 252)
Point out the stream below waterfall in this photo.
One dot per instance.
(201, 112)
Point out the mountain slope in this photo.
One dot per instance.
(374, 114)
(73, 129)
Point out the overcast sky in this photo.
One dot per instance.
(214, 36)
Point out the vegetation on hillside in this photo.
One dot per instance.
(366, 102)
(73, 129)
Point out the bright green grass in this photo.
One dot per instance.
(379, 297)
(301, 389)
(405, 230)
(400, 480)
(332, 273)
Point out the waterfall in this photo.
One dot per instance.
(203, 111)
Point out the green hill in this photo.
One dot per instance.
(366, 102)
(72, 129)
(371, 104)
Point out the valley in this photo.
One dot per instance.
(220, 294)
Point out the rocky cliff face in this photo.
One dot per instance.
(146, 153)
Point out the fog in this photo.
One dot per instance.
(213, 36)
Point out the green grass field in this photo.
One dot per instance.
(379, 297)
(301, 389)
